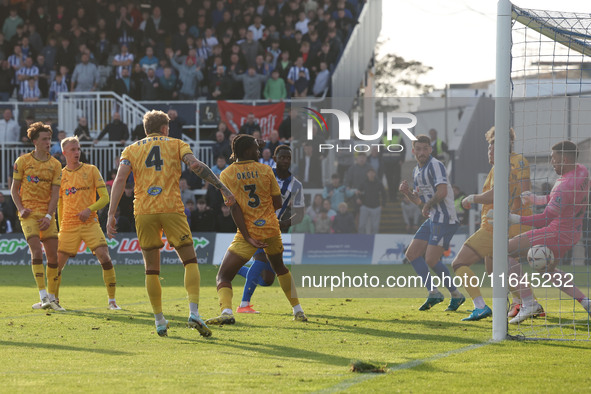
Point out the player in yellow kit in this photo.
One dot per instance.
(35, 191)
(78, 219)
(156, 165)
(480, 244)
(258, 197)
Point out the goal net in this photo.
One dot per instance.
(550, 102)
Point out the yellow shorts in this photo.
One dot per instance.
(150, 227)
(481, 241)
(240, 247)
(90, 233)
(30, 227)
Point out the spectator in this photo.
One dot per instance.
(29, 120)
(9, 130)
(149, 61)
(257, 28)
(393, 163)
(44, 76)
(117, 130)
(102, 49)
(5, 224)
(10, 24)
(186, 193)
(440, 150)
(275, 87)
(66, 55)
(336, 192)
(156, 30)
(275, 52)
(295, 74)
(150, 86)
(301, 85)
(219, 86)
(266, 158)
(168, 85)
(310, 173)
(138, 132)
(8, 208)
(328, 207)
(193, 181)
(56, 148)
(224, 222)
(322, 80)
(221, 146)
(50, 52)
(24, 74)
(213, 198)
(284, 65)
(306, 226)
(85, 77)
(372, 197)
(31, 92)
(220, 165)
(82, 131)
(123, 60)
(322, 223)
(124, 85)
(250, 125)
(252, 83)
(189, 76)
(6, 87)
(251, 49)
(343, 222)
(273, 142)
(302, 23)
(137, 76)
(314, 209)
(375, 161)
(203, 218)
(357, 174)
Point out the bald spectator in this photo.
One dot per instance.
(117, 130)
(251, 49)
(221, 146)
(82, 131)
(273, 142)
(250, 126)
(9, 130)
(86, 76)
(175, 125)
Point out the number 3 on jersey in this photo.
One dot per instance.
(254, 201)
(154, 159)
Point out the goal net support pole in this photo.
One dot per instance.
(502, 151)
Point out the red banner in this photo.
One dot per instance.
(268, 117)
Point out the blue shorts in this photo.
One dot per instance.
(439, 234)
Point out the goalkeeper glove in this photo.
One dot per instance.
(529, 198)
(513, 218)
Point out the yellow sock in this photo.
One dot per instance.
(52, 278)
(59, 283)
(474, 292)
(38, 273)
(154, 291)
(192, 279)
(288, 288)
(225, 296)
(110, 282)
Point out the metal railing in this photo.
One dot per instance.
(98, 108)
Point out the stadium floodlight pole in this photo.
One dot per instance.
(501, 189)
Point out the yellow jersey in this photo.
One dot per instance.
(78, 192)
(156, 165)
(37, 177)
(253, 184)
(519, 172)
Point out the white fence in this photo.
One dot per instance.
(98, 108)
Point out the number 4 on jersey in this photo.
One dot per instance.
(154, 159)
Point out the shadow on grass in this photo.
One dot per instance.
(64, 348)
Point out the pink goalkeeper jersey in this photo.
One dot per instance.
(567, 203)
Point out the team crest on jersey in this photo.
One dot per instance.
(260, 222)
(34, 179)
(71, 190)
(154, 190)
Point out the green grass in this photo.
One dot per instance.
(92, 349)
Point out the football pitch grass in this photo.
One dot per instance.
(92, 349)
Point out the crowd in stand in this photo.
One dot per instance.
(183, 49)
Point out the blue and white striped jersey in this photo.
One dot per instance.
(426, 179)
(292, 194)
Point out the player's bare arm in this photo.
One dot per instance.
(204, 172)
(16, 197)
(116, 193)
(277, 202)
(440, 194)
(238, 217)
(44, 222)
